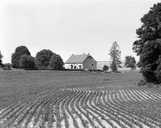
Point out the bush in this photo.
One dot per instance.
(105, 68)
(141, 83)
(56, 62)
(27, 62)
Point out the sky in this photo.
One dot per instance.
(70, 26)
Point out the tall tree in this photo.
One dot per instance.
(115, 54)
(148, 45)
(19, 51)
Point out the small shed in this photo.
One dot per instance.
(83, 61)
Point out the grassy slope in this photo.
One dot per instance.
(18, 85)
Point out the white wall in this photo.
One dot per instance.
(68, 66)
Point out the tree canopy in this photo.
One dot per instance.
(150, 28)
(43, 58)
(148, 45)
(130, 62)
(27, 62)
(19, 51)
(56, 62)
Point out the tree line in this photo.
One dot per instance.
(47, 59)
(44, 59)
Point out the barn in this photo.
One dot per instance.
(83, 61)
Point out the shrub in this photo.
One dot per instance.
(27, 62)
(105, 68)
(141, 83)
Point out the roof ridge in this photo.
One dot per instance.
(77, 58)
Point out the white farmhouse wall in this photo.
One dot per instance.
(67, 66)
(73, 66)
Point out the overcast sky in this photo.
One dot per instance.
(70, 26)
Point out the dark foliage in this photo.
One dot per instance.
(56, 62)
(19, 51)
(148, 46)
(150, 29)
(43, 58)
(1, 56)
(130, 62)
(141, 83)
(105, 68)
(158, 70)
(27, 62)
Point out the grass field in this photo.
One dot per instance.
(18, 84)
(49, 99)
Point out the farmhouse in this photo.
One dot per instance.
(83, 61)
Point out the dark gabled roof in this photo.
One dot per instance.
(77, 59)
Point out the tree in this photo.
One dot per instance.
(19, 51)
(148, 45)
(130, 62)
(27, 62)
(115, 54)
(56, 62)
(43, 58)
(105, 68)
(1, 56)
